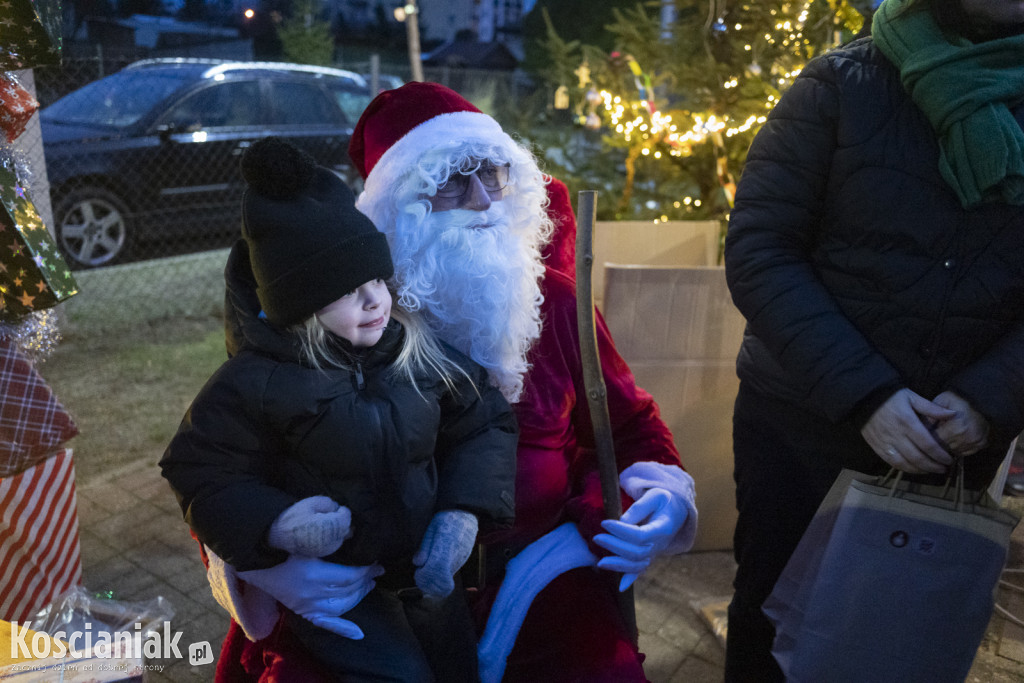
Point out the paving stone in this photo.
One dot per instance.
(130, 526)
(663, 656)
(208, 629)
(146, 478)
(94, 549)
(89, 512)
(694, 670)
(136, 545)
(108, 496)
(187, 608)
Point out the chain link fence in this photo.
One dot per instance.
(172, 257)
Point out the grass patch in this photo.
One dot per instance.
(127, 393)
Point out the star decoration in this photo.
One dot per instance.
(33, 274)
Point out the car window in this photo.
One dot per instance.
(119, 100)
(294, 103)
(352, 102)
(217, 106)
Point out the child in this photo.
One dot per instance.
(341, 428)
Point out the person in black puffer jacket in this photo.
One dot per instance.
(876, 249)
(341, 428)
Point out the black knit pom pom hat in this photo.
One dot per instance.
(308, 243)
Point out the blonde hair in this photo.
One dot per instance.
(421, 351)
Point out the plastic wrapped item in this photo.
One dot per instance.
(72, 610)
(92, 638)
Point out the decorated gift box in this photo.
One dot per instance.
(33, 274)
(34, 425)
(39, 541)
(17, 105)
(40, 552)
(30, 33)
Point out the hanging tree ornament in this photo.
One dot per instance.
(561, 98)
(592, 121)
(583, 73)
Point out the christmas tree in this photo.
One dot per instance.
(678, 100)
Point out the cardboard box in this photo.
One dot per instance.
(679, 331)
(672, 243)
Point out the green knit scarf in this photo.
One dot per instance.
(965, 90)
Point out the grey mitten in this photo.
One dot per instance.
(446, 546)
(313, 527)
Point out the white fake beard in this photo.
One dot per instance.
(478, 286)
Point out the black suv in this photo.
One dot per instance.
(151, 153)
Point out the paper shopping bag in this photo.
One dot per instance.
(784, 607)
(902, 589)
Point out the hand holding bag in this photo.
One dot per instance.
(892, 581)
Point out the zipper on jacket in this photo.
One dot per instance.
(360, 380)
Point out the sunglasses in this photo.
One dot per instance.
(493, 178)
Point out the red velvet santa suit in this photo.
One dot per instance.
(557, 481)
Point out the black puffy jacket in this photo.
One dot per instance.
(267, 430)
(856, 267)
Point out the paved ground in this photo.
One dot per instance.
(135, 546)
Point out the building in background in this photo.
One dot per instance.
(442, 21)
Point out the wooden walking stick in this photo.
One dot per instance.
(593, 381)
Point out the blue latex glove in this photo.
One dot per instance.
(641, 534)
(317, 590)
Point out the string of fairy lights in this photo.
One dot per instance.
(636, 119)
(632, 117)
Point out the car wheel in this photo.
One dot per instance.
(92, 227)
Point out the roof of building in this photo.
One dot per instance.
(472, 54)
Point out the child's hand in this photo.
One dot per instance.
(313, 527)
(446, 546)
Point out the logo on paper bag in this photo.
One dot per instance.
(925, 546)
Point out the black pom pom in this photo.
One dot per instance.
(277, 169)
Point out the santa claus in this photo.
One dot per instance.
(482, 243)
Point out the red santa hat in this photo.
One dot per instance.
(398, 125)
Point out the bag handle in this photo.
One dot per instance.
(955, 478)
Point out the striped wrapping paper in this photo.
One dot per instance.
(40, 554)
